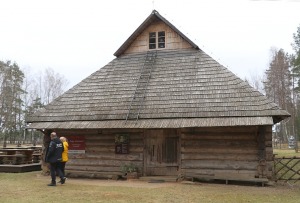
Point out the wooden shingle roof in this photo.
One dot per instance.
(187, 88)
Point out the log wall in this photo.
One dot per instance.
(204, 152)
(100, 160)
(213, 152)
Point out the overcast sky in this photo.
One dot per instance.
(77, 37)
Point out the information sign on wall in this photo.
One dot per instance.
(76, 144)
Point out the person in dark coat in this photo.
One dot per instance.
(54, 157)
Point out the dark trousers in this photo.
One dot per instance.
(62, 166)
(54, 168)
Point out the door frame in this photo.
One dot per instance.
(162, 168)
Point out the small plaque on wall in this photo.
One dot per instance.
(122, 144)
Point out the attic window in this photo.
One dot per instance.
(152, 40)
(161, 39)
(160, 43)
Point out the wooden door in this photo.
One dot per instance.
(161, 154)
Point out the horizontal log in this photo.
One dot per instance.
(269, 150)
(220, 156)
(237, 129)
(132, 149)
(94, 162)
(91, 174)
(94, 168)
(112, 136)
(121, 131)
(112, 142)
(219, 164)
(213, 136)
(113, 156)
(244, 150)
(100, 139)
(213, 172)
(219, 143)
(268, 143)
(76, 132)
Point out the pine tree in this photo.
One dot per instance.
(11, 115)
(278, 87)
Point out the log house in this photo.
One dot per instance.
(167, 107)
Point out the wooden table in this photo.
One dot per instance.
(14, 159)
(16, 155)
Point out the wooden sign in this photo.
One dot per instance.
(76, 144)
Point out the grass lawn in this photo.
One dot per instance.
(286, 153)
(32, 187)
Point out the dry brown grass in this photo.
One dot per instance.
(32, 187)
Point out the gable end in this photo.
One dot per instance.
(155, 20)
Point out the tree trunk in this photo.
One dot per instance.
(46, 141)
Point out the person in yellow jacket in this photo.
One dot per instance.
(64, 155)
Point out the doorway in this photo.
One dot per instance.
(161, 152)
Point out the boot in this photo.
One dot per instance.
(63, 180)
(52, 184)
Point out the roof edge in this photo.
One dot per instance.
(156, 123)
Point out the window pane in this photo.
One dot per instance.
(152, 40)
(161, 34)
(161, 45)
(152, 35)
(152, 46)
(161, 39)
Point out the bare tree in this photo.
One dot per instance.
(256, 81)
(41, 88)
(53, 85)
